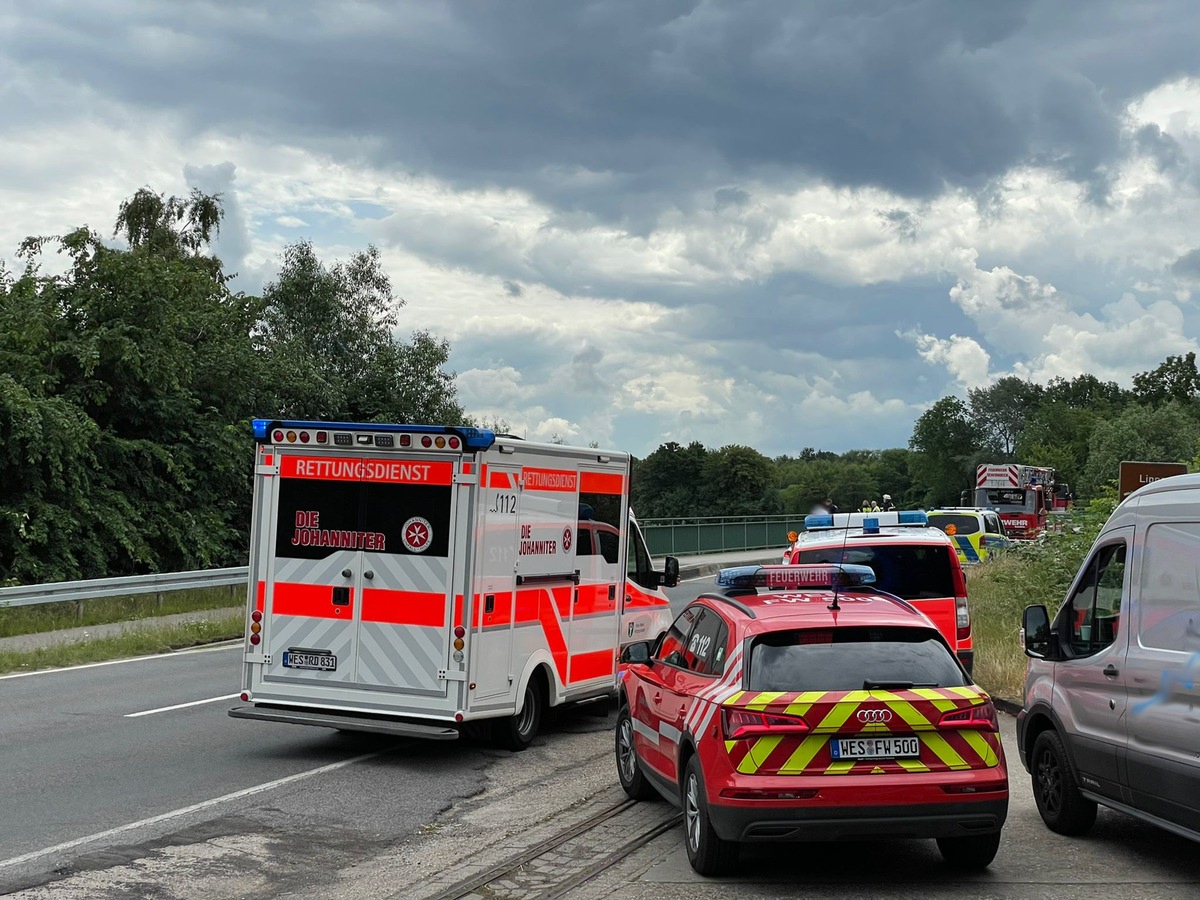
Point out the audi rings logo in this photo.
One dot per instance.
(874, 716)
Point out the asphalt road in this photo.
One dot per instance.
(100, 776)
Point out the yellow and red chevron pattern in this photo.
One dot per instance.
(833, 714)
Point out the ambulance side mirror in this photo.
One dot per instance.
(669, 577)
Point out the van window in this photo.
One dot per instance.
(1169, 595)
(1094, 610)
(992, 523)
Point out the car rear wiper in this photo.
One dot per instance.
(897, 685)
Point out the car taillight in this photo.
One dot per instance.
(739, 724)
(962, 614)
(962, 618)
(981, 717)
(982, 541)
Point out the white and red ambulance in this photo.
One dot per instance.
(413, 579)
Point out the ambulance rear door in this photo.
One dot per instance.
(358, 588)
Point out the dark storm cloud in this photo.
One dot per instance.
(662, 95)
(1188, 265)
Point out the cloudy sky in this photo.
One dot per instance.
(780, 224)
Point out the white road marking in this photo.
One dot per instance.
(150, 712)
(174, 654)
(195, 807)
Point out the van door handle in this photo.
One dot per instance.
(1111, 670)
(657, 697)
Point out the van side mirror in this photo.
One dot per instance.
(1035, 626)
(669, 577)
(637, 652)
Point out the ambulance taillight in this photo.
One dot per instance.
(454, 443)
(255, 626)
(278, 436)
(459, 634)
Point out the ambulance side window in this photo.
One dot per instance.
(599, 526)
(639, 570)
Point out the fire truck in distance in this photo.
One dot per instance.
(421, 579)
(1024, 496)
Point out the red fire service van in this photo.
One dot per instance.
(412, 579)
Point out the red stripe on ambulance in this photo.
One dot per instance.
(315, 600)
(332, 468)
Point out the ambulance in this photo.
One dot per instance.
(421, 580)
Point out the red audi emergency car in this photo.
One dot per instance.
(802, 704)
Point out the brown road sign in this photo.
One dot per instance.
(1136, 474)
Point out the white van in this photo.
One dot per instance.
(1112, 692)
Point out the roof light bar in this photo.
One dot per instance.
(821, 521)
(821, 575)
(472, 438)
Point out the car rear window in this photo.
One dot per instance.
(847, 659)
(962, 524)
(910, 571)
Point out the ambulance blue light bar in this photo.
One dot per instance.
(819, 521)
(796, 578)
(472, 438)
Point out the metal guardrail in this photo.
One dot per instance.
(678, 536)
(63, 591)
(682, 535)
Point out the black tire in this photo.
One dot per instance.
(708, 853)
(517, 732)
(629, 769)
(972, 853)
(1055, 789)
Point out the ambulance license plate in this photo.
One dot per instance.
(879, 747)
(322, 660)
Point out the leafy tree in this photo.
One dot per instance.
(1176, 378)
(135, 366)
(1085, 392)
(665, 483)
(999, 412)
(329, 332)
(945, 442)
(1167, 433)
(739, 481)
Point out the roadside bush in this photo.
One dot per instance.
(1029, 573)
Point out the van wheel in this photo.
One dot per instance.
(629, 770)
(517, 732)
(969, 853)
(1064, 809)
(707, 851)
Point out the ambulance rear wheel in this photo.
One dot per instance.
(517, 732)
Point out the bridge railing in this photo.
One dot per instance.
(675, 537)
(683, 535)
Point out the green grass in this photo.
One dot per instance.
(143, 641)
(56, 616)
(1030, 573)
